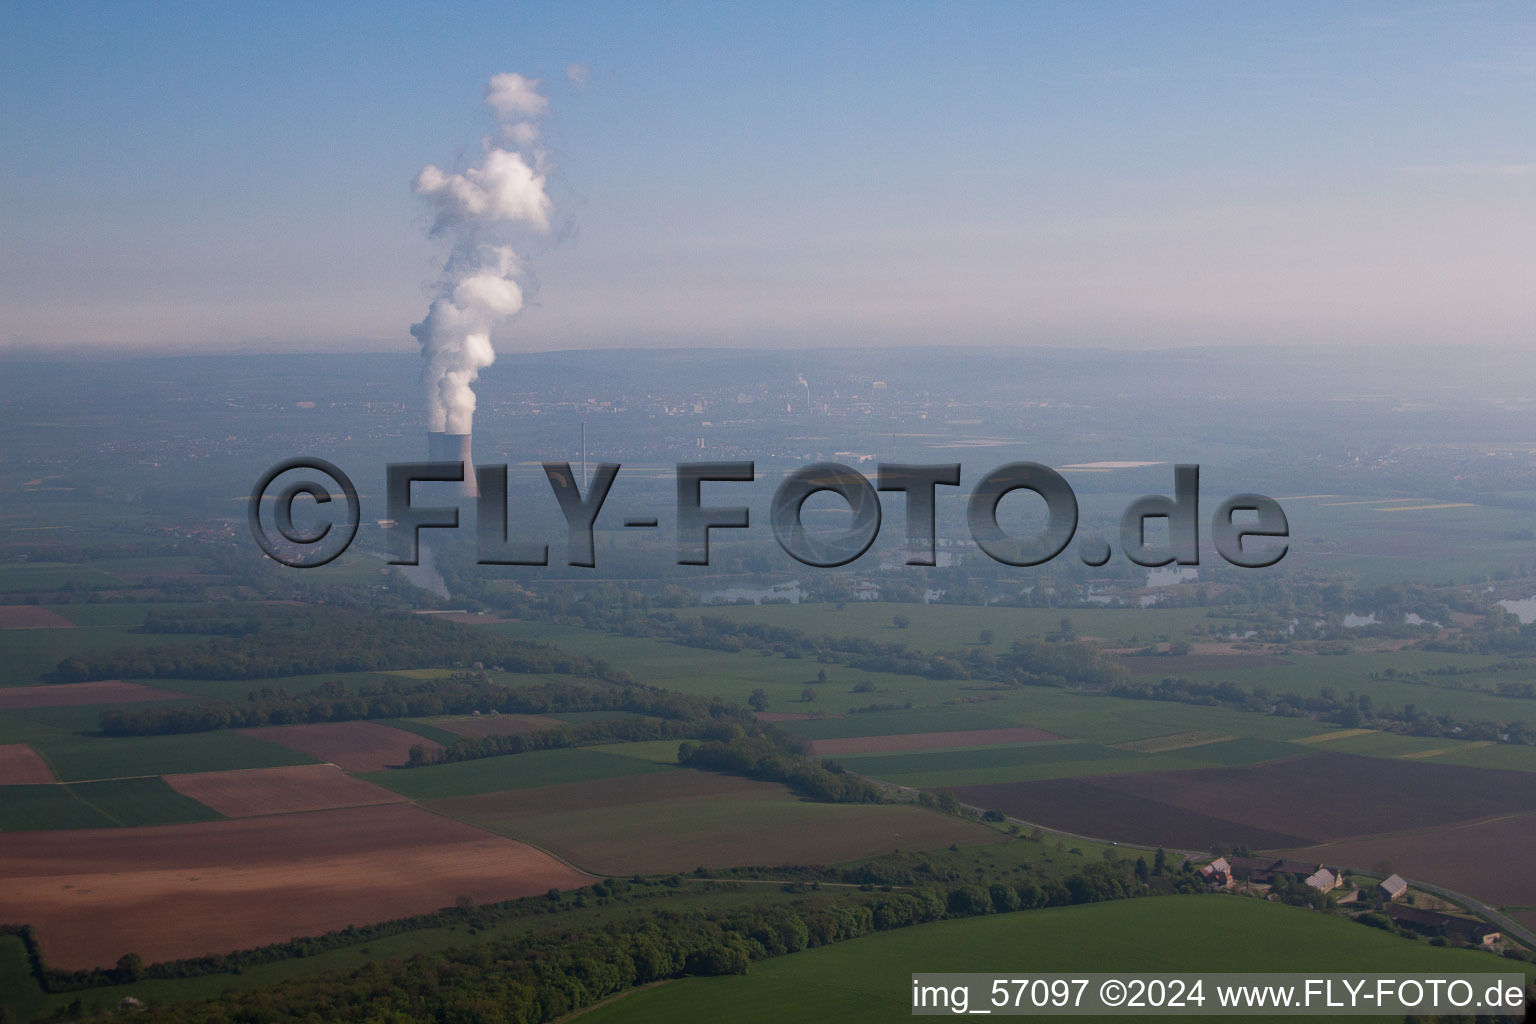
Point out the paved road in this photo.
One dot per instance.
(1507, 925)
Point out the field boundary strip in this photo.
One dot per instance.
(1174, 741)
(1337, 734)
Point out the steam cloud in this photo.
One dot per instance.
(480, 285)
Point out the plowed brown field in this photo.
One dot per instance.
(681, 819)
(30, 616)
(66, 695)
(1491, 861)
(308, 787)
(355, 746)
(1278, 804)
(20, 765)
(185, 890)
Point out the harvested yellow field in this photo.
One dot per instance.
(1337, 734)
(1175, 741)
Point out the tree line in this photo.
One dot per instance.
(759, 757)
(545, 975)
(462, 693)
(1351, 710)
(249, 641)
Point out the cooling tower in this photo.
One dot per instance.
(443, 447)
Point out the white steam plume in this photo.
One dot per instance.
(476, 209)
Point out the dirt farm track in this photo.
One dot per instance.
(185, 890)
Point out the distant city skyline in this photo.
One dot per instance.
(238, 178)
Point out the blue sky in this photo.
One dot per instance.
(237, 177)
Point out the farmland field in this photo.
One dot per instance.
(21, 766)
(31, 616)
(185, 890)
(868, 979)
(1315, 797)
(354, 746)
(936, 627)
(949, 767)
(25, 995)
(1282, 794)
(50, 806)
(111, 691)
(657, 751)
(928, 741)
(21, 993)
(980, 765)
(713, 673)
(515, 771)
(1081, 716)
(1084, 807)
(33, 653)
(239, 689)
(679, 819)
(49, 575)
(91, 757)
(1488, 860)
(474, 727)
(314, 787)
(121, 802)
(1189, 664)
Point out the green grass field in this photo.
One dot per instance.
(237, 690)
(982, 758)
(1085, 717)
(147, 801)
(30, 654)
(1347, 535)
(1034, 771)
(1027, 762)
(741, 825)
(657, 751)
(116, 802)
(16, 729)
(723, 674)
(51, 576)
(113, 613)
(24, 808)
(869, 979)
(75, 758)
(81, 719)
(1521, 759)
(942, 627)
(19, 991)
(1352, 673)
(423, 728)
(952, 705)
(514, 771)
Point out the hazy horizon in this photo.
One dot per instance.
(240, 179)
